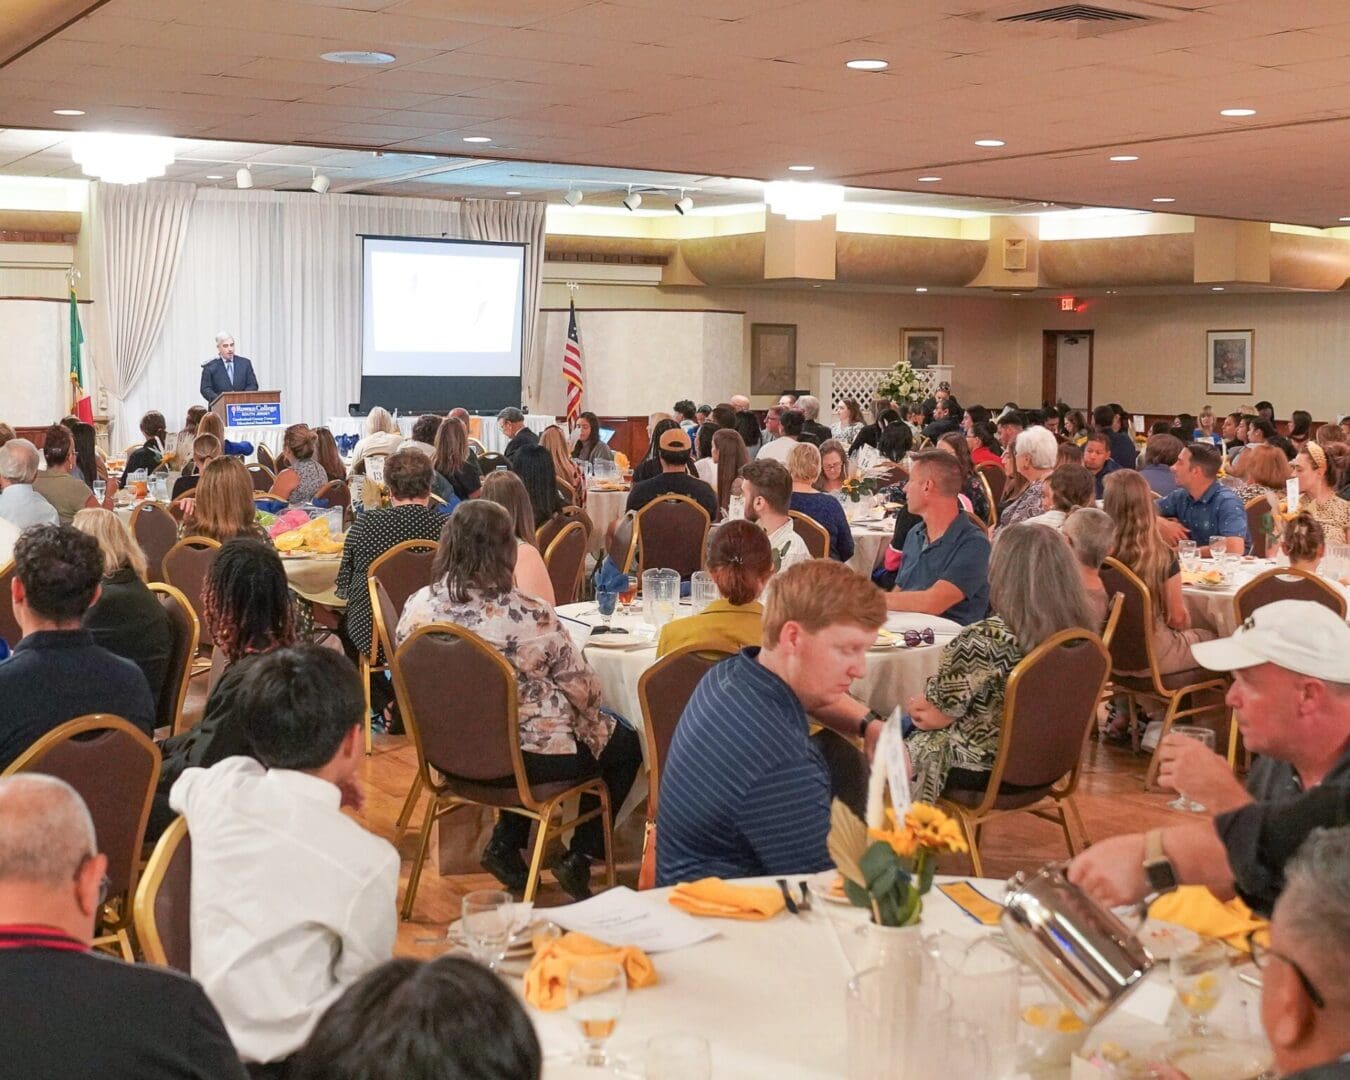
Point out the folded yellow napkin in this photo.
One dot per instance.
(546, 977)
(1198, 909)
(973, 902)
(713, 896)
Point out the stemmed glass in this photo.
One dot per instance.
(595, 996)
(1201, 735)
(605, 599)
(100, 489)
(628, 593)
(1188, 554)
(488, 915)
(1200, 978)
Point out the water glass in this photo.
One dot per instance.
(702, 590)
(1201, 735)
(628, 590)
(100, 489)
(605, 600)
(1228, 564)
(678, 1057)
(984, 982)
(1188, 553)
(1200, 978)
(595, 997)
(488, 915)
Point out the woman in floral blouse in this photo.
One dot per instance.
(564, 733)
(1035, 584)
(1035, 456)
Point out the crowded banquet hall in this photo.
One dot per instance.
(511, 513)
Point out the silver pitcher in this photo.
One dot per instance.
(1080, 949)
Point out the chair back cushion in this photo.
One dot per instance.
(1129, 644)
(813, 534)
(335, 493)
(564, 558)
(163, 901)
(996, 478)
(1286, 583)
(1257, 510)
(183, 631)
(153, 526)
(265, 457)
(9, 624)
(187, 566)
(262, 477)
(663, 691)
(671, 533)
(491, 461)
(401, 570)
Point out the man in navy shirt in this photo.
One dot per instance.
(944, 568)
(744, 790)
(1201, 508)
(1097, 459)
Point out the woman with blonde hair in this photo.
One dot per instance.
(570, 480)
(127, 617)
(205, 449)
(835, 467)
(1319, 470)
(803, 465)
(301, 479)
(212, 424)
(381, 439)
(222, 506)
(1139, 545)
(507, 490)
(730, 456)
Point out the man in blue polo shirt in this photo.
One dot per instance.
(944, 569)
(1201, 508)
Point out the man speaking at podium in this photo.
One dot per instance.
(226, 372)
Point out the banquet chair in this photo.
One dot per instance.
(1285, 583)
(185, 632)
(176, 509)
(1048, 710)
(548, 531)
(265, 458)
(263, 478)
(187, 565)
(114, 767)
(336, 493)
(1257, 510)
(491, 461)
(984, 525)
(163, 896)
(995, 477)
(814, 535)
(670, 532)
(1132, 650)
(992, 519)
(10, 630)
(155, 529)
(468, 746)
(663, 691)
(565, 559)
(401, 571)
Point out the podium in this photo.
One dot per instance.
(249, 408)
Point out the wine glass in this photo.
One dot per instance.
(487, 915)
(678, 1057)
(595, 993)
(1200, 735)
(1200, 978)
(605, 599)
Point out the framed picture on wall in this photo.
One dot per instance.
(773, 357)
(921, 347)
(1229, 359)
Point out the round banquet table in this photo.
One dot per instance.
(870, 540)
(604, 507)
(314, 577)
(769, 996)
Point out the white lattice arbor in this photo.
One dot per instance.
(834, 383)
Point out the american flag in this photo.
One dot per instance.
(571, 367)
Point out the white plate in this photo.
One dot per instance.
(820, 885)
(897, 622)
(618, 641)
(1164, 940)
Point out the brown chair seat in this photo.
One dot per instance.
(1014, 799)
(1178, 680)
(505, 794)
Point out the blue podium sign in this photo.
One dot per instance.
(261, 414)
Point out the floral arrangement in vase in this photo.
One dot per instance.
(888, 870)
(855, 487)
(901, 384)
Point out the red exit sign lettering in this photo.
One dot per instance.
(1068, 303)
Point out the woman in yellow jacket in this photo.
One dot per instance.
(740, 561)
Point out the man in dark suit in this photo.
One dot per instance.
(226, 372)
(67, 1011)
(511, 421)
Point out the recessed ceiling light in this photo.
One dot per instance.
(921, 288)
(801, 168)
(513, 192)
(1237, 112)
(1216, 288)
(358, 56)
(990, 142)
(1017, 294)
(477, 138)
(67, 112)
(1164, 200)
(868, 65)
(929, 179)
(1124, 157)
(214, 176)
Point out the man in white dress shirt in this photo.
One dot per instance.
(292, 901)
(767, 487)
(20, 504)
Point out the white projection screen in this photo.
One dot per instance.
(442, 323)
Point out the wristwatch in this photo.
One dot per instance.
(1158, 869)
(872, 714)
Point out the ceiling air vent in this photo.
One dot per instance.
(1077, 13)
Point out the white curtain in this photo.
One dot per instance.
(138, 233)
(281, 272)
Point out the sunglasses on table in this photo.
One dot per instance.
(914, 638)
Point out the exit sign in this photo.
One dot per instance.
(1068, 303)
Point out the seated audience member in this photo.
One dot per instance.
(650, 465)
(704, 465)
(673, 451)
(9, 533)
(1090, 533)
(302, 477)
(1304, 543)
(152, 1022)
(204, 450)
(768, 493)
(570, 481)
(1265, 472)
(893, 447)
(1318, 471)
(6, 433)
(181, 444)
(20, 505)
(871, 433)
(89, 462)
(452, 460)
(589, 446)
(1300, 428)
(292, 901)
(212, 424)
(1161, 452)
(57, 672)
(790, 430)
(1097, 459)
(407, 475)
(1069, 453)
(1037, 590)
(222, 507)
(511, 423)
(849, 423)
(151, 453)
(835, 468)
(423, 434)
(745, 791)
(1009, 425)
(444, 1018)
(746, 425)
(58, 484)
(534, 466)
(803, 465)
(741, 563)
(1201, 508)
(564, 734)
(811, 426)
(975, 498)
(944, 567)
(985, 448)
(1033, 459)
(382, 438)
(730, 456)
(327, 454)
(1066, 490)
(1111, 421)
(531, 574)
(248, 613)
(127, 618)
(946, 418)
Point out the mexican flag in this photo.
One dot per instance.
(80, 405)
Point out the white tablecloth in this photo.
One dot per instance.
(489, 434)
(869, 543)
(604, 508)
(270, 437)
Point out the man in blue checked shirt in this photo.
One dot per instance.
(1202, 509)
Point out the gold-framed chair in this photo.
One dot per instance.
(1048, 711)
(337, 493)
(161, 910)
(183, 651)
(976, 519)
(992, 520)
(187, 566)
(154, 527)
(995, 478)
(814, 535)
(1132, 651)
(544, 535)
(565, 560)
(1256, 510)
(1285, 583)
(10, 630)
(664, 689)
(115, 767)
(670, 532)
(468, 742)
(265, 458)
(401, 570)
(263, 478)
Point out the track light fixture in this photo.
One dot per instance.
(684, 203)
(320, 184)
(633, 201)
(244, 178)
(573, 197)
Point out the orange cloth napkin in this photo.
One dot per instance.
(546, 977)
(713, 896)
(1198, 909)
